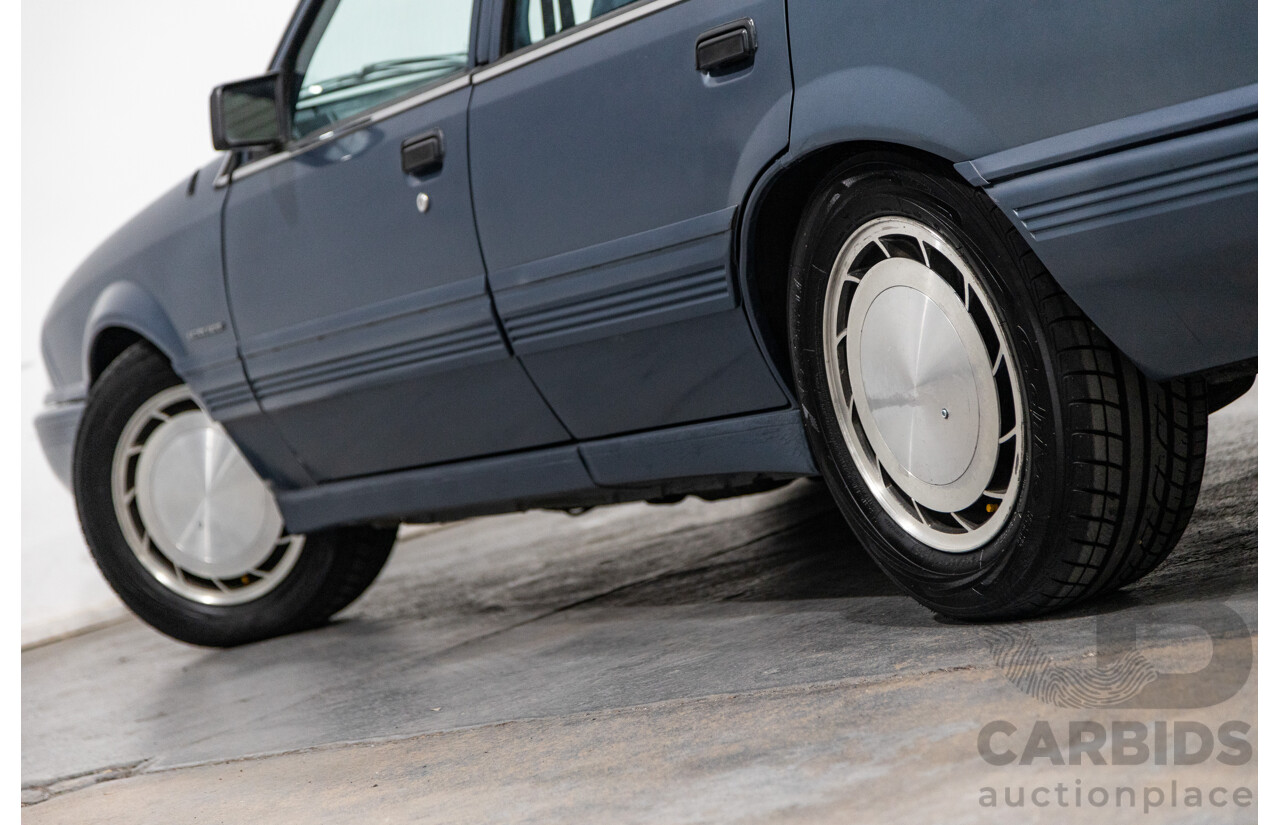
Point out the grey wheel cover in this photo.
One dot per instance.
(192, 510)
(923, 384)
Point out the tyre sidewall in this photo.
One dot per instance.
(994, 577)
(130, 381)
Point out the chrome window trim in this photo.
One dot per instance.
(309, 143)
(507, 63)
(395, 107)
(224, 170)
(570, 37)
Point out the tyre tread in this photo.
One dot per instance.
(1126, 452)
(1154, 498)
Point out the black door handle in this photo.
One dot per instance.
(422, 154)
(726, 45)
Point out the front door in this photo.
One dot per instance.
(355, 278)
(611, 145)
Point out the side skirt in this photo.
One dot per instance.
(709, 456)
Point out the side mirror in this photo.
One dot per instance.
(249, 113)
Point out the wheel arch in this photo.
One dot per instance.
(125, 314)
(771, 221)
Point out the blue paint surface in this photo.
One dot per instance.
(568, 323)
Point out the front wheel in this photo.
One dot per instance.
(183, 529)
(995, 453)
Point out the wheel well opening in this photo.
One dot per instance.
(776, 221)
(107, 347)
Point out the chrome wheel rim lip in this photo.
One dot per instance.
(192, 510)
(945, 481)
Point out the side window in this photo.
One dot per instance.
(534, 20)
(361, 53)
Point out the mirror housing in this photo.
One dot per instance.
(249, 113)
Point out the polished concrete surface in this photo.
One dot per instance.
(732, 661)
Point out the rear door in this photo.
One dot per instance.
(353, 269)
(607, 166)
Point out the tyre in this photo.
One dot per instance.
(996, 455)
(183, 529)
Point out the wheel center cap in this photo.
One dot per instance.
(919, 385)
(201, 501)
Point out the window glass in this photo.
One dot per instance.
(361, 53)
(534, 20)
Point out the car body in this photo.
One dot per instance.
(580, 297)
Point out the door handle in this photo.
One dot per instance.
(726, 45)
(422, 154)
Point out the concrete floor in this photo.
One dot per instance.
(735, 661)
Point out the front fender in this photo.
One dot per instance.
(127, 305)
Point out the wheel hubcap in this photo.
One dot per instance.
(192, 509)
(921, 379)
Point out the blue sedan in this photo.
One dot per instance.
(984, 268)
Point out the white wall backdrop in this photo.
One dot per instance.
(114, 112)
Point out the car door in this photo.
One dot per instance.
(611, 144)
(355, 278)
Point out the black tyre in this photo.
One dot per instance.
(994, 452)
(185, 532)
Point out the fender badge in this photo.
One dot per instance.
(206, 330)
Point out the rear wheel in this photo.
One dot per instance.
(185, 531)
(995, 453)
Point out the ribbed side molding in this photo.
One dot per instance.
(628, 304)
(423, 352)
(1136, 183)
(1145, 127)
(220, 386)
(1150, 224)
(645, 280)
(220, 399)
(438, 329)
(1078, 213)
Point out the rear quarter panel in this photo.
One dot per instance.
(967, 79)
(1124, 135)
